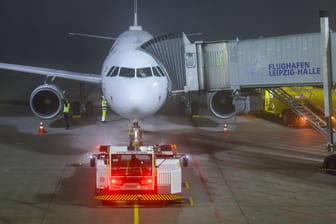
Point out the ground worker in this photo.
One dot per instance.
(104, 109)
(66, 110)
(135, 134)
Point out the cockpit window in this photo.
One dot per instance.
(143, 72)
(157, 71)
(113, 71)
(126, 72)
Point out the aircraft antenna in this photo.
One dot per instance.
(135, 12)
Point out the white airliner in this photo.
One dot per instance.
(132, 81)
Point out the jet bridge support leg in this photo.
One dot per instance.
(329, 161)
(326, 75)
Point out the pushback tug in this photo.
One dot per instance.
(140, 173)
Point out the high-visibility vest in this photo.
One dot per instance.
(66, 108)
(130, 131)
(104, 104)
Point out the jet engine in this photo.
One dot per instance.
(46, 101)
(224, 105)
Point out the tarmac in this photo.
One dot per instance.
(257, 172)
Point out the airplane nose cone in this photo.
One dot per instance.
(144, 98)
(139, 97)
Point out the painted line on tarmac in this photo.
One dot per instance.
(136, 214)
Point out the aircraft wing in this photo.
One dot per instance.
(85, 77)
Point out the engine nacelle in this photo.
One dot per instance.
(46, 101)
(224, 105)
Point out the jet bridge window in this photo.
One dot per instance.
(126, 72)
(157, 71)
(143, 72)
(113, 72)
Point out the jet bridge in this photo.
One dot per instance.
(273, 61)
(292, 60)
(226, 69)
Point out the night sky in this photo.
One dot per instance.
(34, 32)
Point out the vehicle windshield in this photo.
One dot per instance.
(131, 165)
